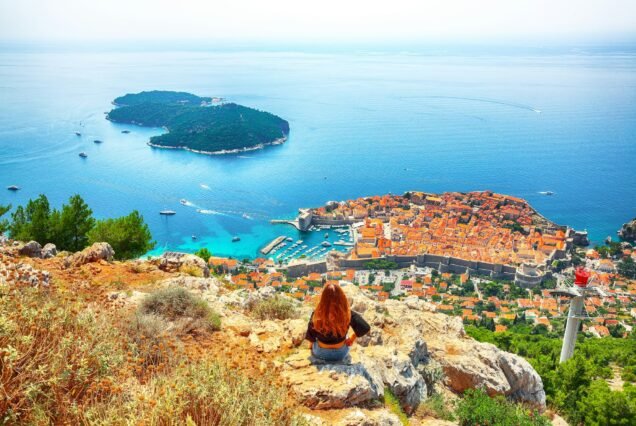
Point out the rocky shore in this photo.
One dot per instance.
(628, 231)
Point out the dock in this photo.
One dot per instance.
(269, 247)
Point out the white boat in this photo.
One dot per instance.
(167, 212)
(13, 188)
(83, 154)
(183, 201)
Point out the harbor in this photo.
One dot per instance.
(315, 243)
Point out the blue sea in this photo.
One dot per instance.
(362, 123)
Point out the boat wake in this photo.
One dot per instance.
(486, 100)
(212, 212)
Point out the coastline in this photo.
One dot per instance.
(278, 141)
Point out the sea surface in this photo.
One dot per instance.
(361, 124)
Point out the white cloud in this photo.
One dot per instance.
(326, 20)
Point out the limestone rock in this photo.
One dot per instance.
(94, 253)
(208, 286)
(31, 249)
(471, 364)
(413, 328)
(270, 336)
(360, 417)
(178, 262)
(398, 373)
(49, 250)
(262, 293)
(321, 385)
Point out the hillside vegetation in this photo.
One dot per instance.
(577, 388)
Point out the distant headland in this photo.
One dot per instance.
(200, 124)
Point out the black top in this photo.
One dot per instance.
(359, 325)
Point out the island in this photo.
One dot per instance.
(199, 124)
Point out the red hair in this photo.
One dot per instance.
(332, 315)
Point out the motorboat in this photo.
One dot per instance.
(97, 141)
(13, 188)
(167, 212)
(125, 131)
(78, 134)
(83, 154)
(235, 239)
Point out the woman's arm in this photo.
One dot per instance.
(311, 333)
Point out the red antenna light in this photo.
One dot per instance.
(582, 277)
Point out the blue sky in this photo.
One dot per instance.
(324, 22)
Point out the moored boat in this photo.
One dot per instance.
(97, 141)
(13, 188)
(78, 134)
(83, 154)
(167, 212)
(235, 239)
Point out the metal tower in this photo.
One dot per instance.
(578, 292)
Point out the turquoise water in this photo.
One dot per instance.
(361, 124)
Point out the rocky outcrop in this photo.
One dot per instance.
(183, 262)
(48, 251)
(35, 250)
(628, 231)
(94, 253)
(31, 249)
(321, 385)
(355, 417)
(414, 329)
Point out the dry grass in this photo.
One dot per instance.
(192, 271)
(63, 363)
(179, 305)
(275, 308)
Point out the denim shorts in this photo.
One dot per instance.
(325, 354)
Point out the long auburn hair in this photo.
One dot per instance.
(332, 315)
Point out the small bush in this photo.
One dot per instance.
(436, 407)
(277, 307)
(150, 340)
(204, 254)
(477, 408)
(176, 303)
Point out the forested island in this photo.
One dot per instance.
(197, 124)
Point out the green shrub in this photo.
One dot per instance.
(204, 254)
(435, 406)
(277, 307)
(477, 408)
(175, 303)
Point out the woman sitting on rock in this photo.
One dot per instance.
(329, 324)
